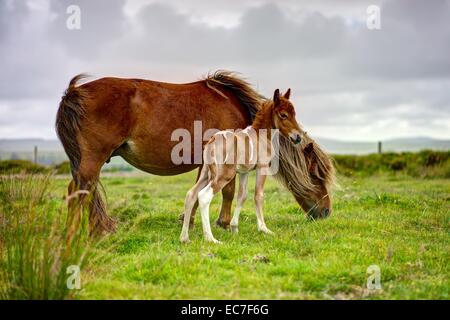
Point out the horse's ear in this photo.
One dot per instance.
(309, 148)
(276, 97)
(288, 93)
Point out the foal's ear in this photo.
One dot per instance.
(276, 97)
(288, 93)
(309, 148)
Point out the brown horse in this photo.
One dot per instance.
(135, 118)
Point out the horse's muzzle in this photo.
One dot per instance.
(320, 213)
(297, 139)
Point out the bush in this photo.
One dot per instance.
(21, 167)
(62, 168)
(425, 164)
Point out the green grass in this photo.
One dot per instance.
(400, 224)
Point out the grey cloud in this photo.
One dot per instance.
(343, 76)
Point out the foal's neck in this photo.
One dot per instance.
(263, 118)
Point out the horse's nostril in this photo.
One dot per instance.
(325, 212)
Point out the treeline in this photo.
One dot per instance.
(423, 164)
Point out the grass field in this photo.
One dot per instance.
(400, 224)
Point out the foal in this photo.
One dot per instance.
(245, 146)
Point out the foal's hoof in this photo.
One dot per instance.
(266, 231)
(213, 240)
(184, 240)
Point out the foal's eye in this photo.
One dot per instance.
(283, 116)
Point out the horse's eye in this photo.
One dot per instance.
(283, 116)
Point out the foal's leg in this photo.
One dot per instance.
(227, 200)
(190, 202)
(259, 201)
(194, 208)
(242, 196)
(205, 196)
(204, 200)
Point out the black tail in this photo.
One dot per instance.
(68, 120)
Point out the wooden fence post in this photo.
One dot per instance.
(35, 154)
(379, 147)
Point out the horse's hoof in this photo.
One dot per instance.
(234, 229)
(223, 225)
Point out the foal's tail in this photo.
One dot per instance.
(68, 120)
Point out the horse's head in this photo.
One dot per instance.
(308, 172)
(284, 117)
(317, 203)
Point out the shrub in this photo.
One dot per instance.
(62, 168)
(36, 244)
(425, 164)
(21, 167)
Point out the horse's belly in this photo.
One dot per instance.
(154, 161)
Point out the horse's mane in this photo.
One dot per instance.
(243, 91)
(294, 165)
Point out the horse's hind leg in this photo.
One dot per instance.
(227, 200)
(87, 179)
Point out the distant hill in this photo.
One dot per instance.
(24, 145)
(393, 145)
(51, 151)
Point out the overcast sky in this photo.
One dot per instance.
(348, 82)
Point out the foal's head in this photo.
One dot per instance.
(284, 116)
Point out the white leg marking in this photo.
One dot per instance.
(204, 200)
(189, 202)
(259, 202)
(184, 237)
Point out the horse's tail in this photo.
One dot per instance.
(68, 120)
(241, 89)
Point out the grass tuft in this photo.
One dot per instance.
(36, 246)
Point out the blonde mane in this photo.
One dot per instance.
(294, 166)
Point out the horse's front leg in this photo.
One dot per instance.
(259, 201)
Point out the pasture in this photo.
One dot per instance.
(396, 222)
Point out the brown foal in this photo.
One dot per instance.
(229, 153)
